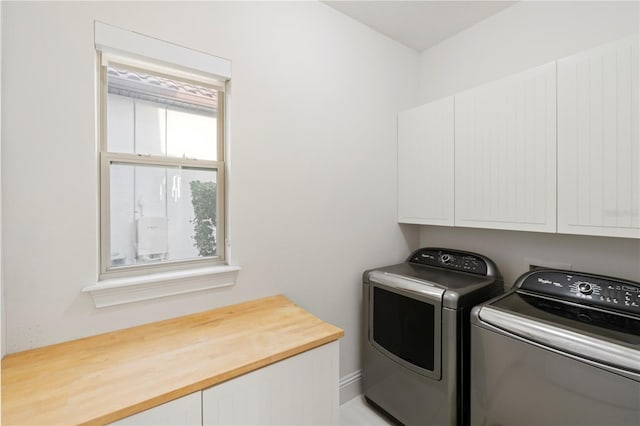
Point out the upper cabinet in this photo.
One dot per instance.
(505, 153)
(425, 164)
(553, 149)
(598, 142)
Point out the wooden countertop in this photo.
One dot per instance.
(100, 379)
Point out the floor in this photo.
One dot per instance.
(356, 412)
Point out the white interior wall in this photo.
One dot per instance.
(522, 36)
(3, 323)
(312, 183)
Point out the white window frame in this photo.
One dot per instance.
(107, 158)
(129, 283)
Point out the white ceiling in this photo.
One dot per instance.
(419, 24)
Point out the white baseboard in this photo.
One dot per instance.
(350, 386)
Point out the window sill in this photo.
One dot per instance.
(134, 289)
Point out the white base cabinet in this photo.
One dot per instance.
(302, 390)
(598, 142)
(185, 411)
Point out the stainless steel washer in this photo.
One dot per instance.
(416, 360)
(560, 348)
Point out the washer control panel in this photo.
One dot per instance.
(449, 259)
(589, 289)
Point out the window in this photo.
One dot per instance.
(162, 172)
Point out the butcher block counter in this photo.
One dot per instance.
(103, 378)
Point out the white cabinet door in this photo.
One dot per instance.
(425, 164)
(505, 153)
(598, 143)
(185, 411)
(301, 390)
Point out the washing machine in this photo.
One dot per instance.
(559, 348)
(416, 339)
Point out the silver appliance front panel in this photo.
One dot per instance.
(450, 282)
(614, 356)
(515, 382)
(420, 291)
(561, 348)
(413, 398)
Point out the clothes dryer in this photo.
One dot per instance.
(416, 345)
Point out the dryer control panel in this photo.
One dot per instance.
(450, 259)
(594, 290)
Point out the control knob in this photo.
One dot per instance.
(447, 259)
(585, 288)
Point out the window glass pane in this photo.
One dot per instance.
(120, 123)
(150, 128)
(161, 213)
(152, 114)
(191, 135)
